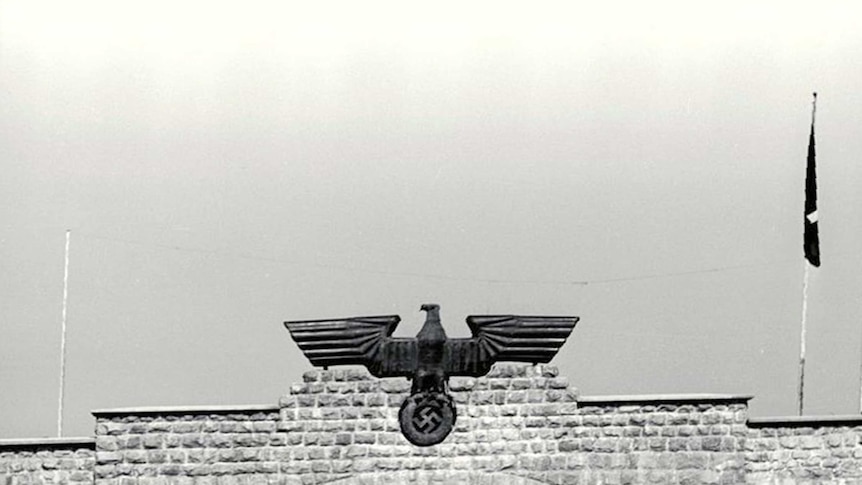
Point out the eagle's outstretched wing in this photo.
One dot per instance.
(506, 338)
(356, 341)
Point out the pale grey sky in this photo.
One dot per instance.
(227, 166)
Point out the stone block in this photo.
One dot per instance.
(711, 443)
(106, 443)
(111, 428)
(108, 457)
(153, 441)
(636, 419)
(129, 442)
(658, 443)
(264, 426)
(677, 444)
(397, 385)
(535, 396)
(520, 384)
(568, 408)
(811, 442)
(605, 445)
(186, 427)
(502, 370)
(364, 438)
(135, 456)
(788, 442)
(367, 387)
(186, 441)
(81, 476)
(340, 387)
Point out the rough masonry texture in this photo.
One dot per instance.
(518, 425)
(47, 461)
(805, 450)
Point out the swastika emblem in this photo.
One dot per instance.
(427, 418)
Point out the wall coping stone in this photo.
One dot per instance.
(664, 399)
(47, 443)
(174, 410)
(805, 421)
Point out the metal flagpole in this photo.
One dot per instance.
(802, 337)
(63, 337)
(860, 382)
(811, 245)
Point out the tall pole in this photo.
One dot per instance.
(811, 246)
(63, 337)
(860, 383)
(802, 338)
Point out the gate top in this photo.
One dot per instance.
(428, 415)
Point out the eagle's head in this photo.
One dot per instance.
(428, 307)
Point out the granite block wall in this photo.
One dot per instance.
(803, 450)
(508, 424)
(189, 445)
(659, 439)
(47, 461)
(518, 425)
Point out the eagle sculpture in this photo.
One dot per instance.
(430, 358)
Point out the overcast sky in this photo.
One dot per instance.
(226, 167)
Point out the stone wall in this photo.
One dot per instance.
(508, 424)
(804, 450)
(659, 439)
(58, 460)
(237, 444)
(518, 425)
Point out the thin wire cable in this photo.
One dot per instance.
(354, 269)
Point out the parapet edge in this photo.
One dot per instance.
(180, 410)
(47, 443)
(805, 421)
(648, 399)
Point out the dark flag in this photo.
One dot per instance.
(811, 239)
